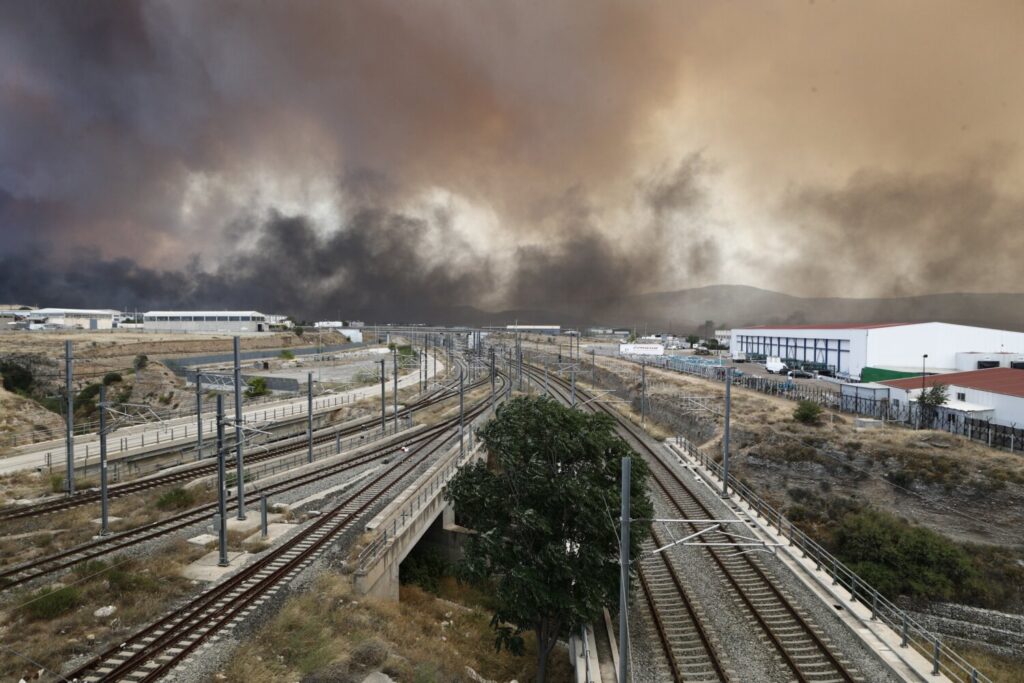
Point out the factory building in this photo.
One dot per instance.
(993, 394)
(534, 329)
(876, 352)
(73, 318)
(206, 321)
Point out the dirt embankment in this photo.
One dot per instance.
(959, 488)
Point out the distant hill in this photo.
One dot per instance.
(738, 305)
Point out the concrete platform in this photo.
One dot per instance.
(110, 520)
(203, 539)
(251, 521)
(274, 532)
(206, 569)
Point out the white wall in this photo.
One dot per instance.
(1009, 410)
(902, 346)
(852, 341)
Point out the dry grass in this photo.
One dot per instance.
(328, 631)
(140, 588)
(31, 538)
(999, 668)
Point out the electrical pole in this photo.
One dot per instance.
(462, 448)
(309, 417)
(222, 504)
(239, 449)
(199, 416)
(394, 379)
(725, 436)
(572, 375)
(624, 520)
(593, 368)
(69, 423)
(492, 373)
(104, 509)
(383, 402)
(643, 391)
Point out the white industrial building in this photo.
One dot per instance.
(994, 394)
(535, 329)
(641, 349)
(880, 351)
(723, 337)
(74, 318)
(354, 334)
(206, 321)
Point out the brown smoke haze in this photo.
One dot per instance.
(396, 159)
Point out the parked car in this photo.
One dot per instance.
(800, 374)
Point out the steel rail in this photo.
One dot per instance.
(729, 573)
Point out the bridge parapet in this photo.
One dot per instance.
(399, 526)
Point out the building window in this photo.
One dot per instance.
(961, 395)
(234, 319)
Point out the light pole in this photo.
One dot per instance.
(383, 402)
(920, 399)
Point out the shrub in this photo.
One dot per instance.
(899, 559)
(88, 393)
(49, 603)
(370, 652)
(257, 387)
(111, 378)
(286, 354)
(141, 361)
(807, 412)
(299, 331)
(175, 499)
(17, 378)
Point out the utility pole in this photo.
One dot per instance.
(239, 449)
(69, 423)
(383, 402)
(492, 373)
(222, 504)
(593, 368)
(462, 389)
(725, 436)
(309, 417)
(624, 520)
(643, 391)
(104, 508)
(199, 416)
(394, 379)
(572, 375)
(545, 378)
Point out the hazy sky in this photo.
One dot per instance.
(381, 156)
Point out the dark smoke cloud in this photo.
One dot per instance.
(394, 159)
(949, 232)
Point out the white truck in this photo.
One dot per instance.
(774, 365)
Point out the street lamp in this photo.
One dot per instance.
(924, 359)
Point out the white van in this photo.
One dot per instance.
(775, 365)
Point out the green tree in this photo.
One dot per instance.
(286, 354)
(936, 395)
(807, 412)
(692, 339)
(545, 512)
(257, 387)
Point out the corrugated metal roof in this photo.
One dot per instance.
(1007, 381)
(149, 313)
(827, 326)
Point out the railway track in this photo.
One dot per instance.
(200, 469)
(61, 561)
(158, 648)
(797, 641)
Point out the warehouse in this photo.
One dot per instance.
(875, 352)
(76, 318)
(206, 321)
(995, 394)
(534, 329)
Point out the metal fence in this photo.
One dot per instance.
(983, 431)
(912, 633)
